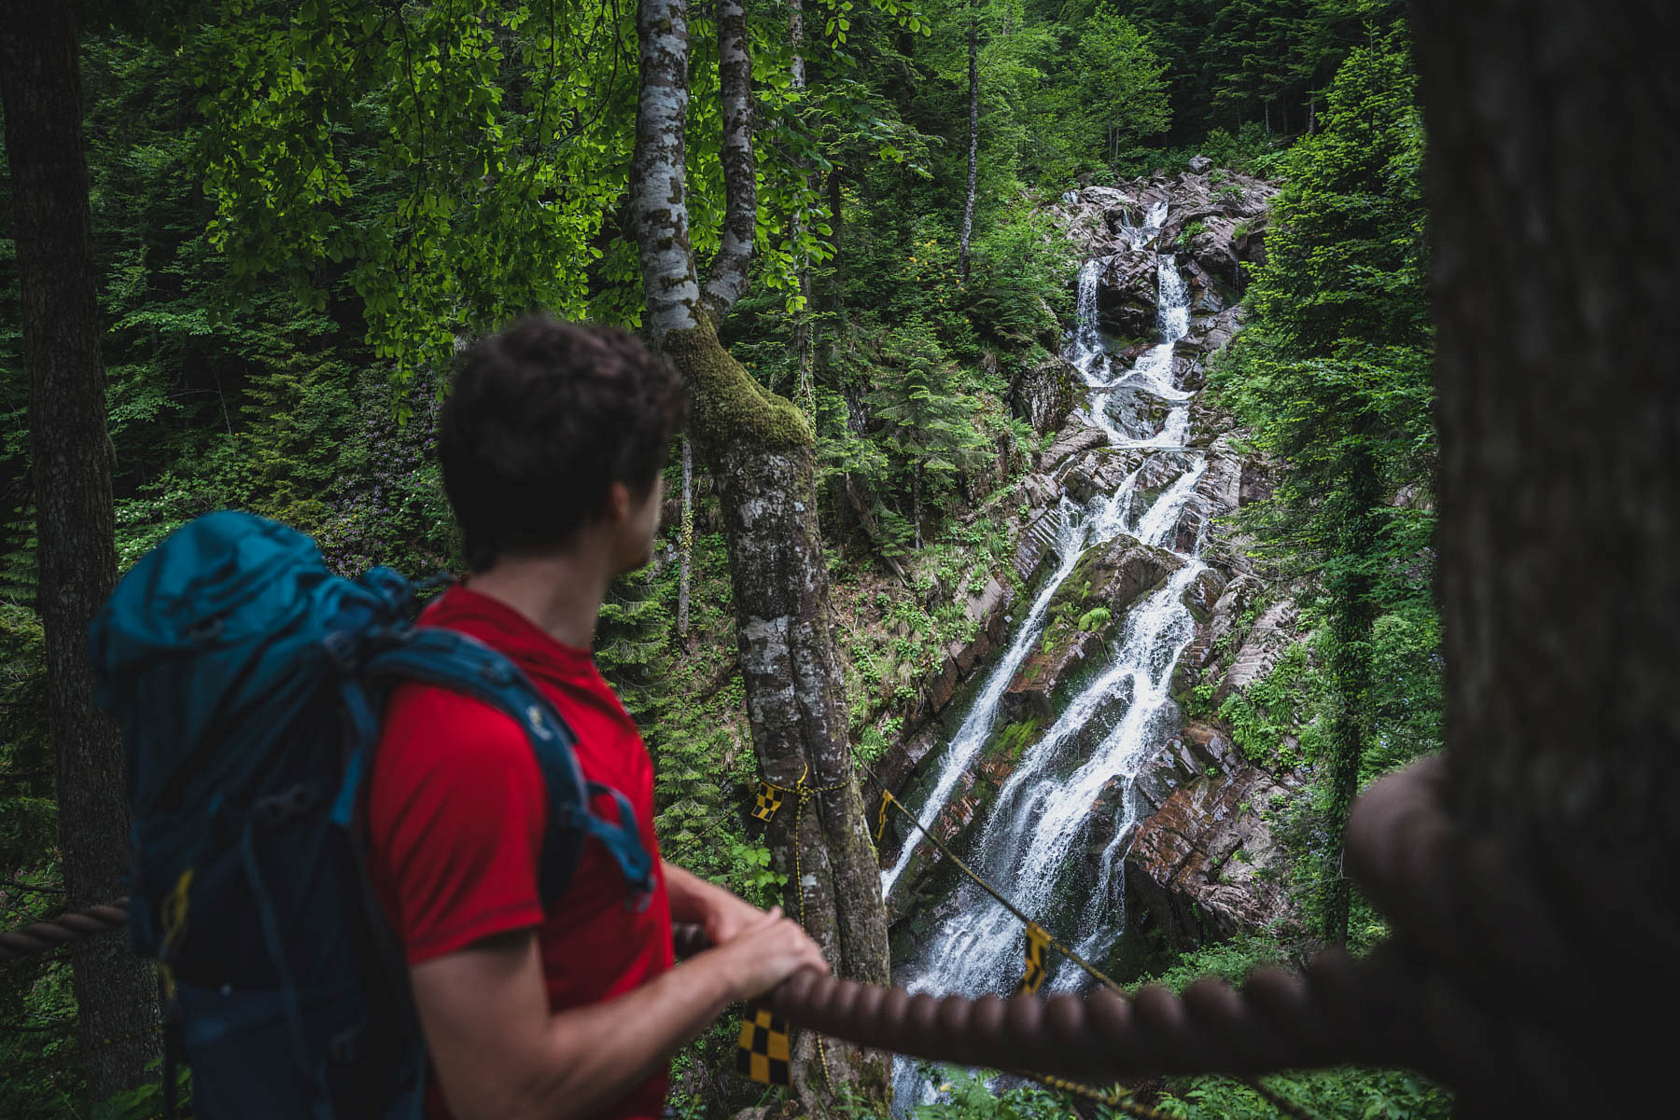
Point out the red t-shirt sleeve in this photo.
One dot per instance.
(455, 822)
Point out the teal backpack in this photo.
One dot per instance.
(248, 680)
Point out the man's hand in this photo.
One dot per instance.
(764, 953)
(725, 916)
(756, 949)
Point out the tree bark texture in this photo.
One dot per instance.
(728, 276)
(973, 144)
(805, 395)
(686, 539)
(1551, 162)
(40, 86)
(658, 205)
(760, 450)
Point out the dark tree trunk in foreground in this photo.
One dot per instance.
(1551, 161)
(973, 144)
(116, 994)
(759, 448)
(1552, 153)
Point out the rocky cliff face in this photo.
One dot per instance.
(1199, 864)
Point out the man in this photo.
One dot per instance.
(551, 443)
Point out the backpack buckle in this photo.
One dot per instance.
(342, 649)
(278, 808)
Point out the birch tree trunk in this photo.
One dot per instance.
(973, 144)
(40, 88)
(759, 448)
(803, 343)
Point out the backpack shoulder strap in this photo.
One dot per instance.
(450, 659)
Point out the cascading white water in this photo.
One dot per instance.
(1042, 813)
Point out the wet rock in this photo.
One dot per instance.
(1272, 633)
(895, 767)
(1210, 334)
(1137, 412)
(1213, 639)
(1205, 865)
(1110, 576)
(1076, 437)
(1040, 491)
(1126, 294)
(944, 685)
(993, 599)
(1100, 472)
(1203, 593)
(1037, 544)
(1044, 395)
(1200, 165)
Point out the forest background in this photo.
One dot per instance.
(279, 321)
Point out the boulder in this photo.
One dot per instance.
(1077, 436)
(1203, 593)
(1137, 412)
(1126, 294)
(1100, 471)
(1205, 865)
(1045, 394)
(1200, 165)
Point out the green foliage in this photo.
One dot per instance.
(1275, 708)
(1094, 619)
(1333, 376)
(1373, 1094)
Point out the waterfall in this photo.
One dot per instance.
(1037, 825)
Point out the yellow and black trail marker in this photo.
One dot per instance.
(764, 1050)
(1038, 940)
(769, 800)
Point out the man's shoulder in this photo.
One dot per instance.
(427, 719)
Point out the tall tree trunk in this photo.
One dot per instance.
(1550, 173)
(973, 143)
(40, 87)
(803, 344)
(685, 543)
(759, 448)
(1550, 167)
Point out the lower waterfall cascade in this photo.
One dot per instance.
(1039, 822)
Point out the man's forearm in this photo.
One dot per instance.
(500, 1053)
(602, 1051)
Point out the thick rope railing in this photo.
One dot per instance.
(41, 937)
(1526, 993)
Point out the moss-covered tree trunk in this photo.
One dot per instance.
(40, 88)
(760, 450)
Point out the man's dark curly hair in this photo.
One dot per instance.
(542, 418)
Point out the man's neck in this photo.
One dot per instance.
(561, 593)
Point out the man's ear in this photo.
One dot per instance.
(617, 505)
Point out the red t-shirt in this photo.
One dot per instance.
(456, 812)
